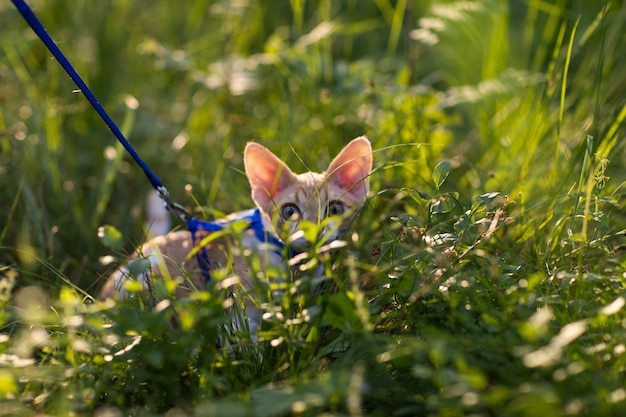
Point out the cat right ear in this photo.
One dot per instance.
(350, 169)
(267, 174)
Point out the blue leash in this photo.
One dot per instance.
(41, 31)
(194, 225)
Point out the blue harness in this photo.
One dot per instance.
(253, 217)
(255, 223)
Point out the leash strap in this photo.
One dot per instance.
(41, 31)
(194, 225)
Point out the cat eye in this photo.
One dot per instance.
(290, 212)
(336, 208)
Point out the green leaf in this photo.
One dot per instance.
(138, 266)
(406, 220)
(463, 222)
(441, 173)
(443, 205)
(487, 198)
(342, 313)
(421, 194)
(610, 200)
(577, 237)
(110, 237)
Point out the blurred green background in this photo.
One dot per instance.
(455, 301)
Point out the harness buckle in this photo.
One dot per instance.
(176, 209)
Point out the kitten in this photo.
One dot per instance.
(284, 199)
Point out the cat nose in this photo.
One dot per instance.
(300, 244)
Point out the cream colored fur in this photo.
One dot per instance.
(278, 192)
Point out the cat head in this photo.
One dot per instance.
(289, 198)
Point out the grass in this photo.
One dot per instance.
(487, 272)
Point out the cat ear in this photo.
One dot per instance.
(351, 168)
(267, 174)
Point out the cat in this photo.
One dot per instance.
(284, 200)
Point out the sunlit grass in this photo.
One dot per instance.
(484, 276)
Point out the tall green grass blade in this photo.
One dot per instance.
(612, 136)
(553, 13)
(585, 173)
(113, 161)
(397, 24)
(564, 80)
(551, 71)
(594, 26)
(9, 216)
(297, 7)
(600, 67)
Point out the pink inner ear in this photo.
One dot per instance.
(350, 169)
(267, 174)
(352, 182)
(345, 179)
(261, 197)
(266, 184)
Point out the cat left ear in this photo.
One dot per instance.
(267, 174)
(351, 168)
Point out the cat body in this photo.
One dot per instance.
(283, 199)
